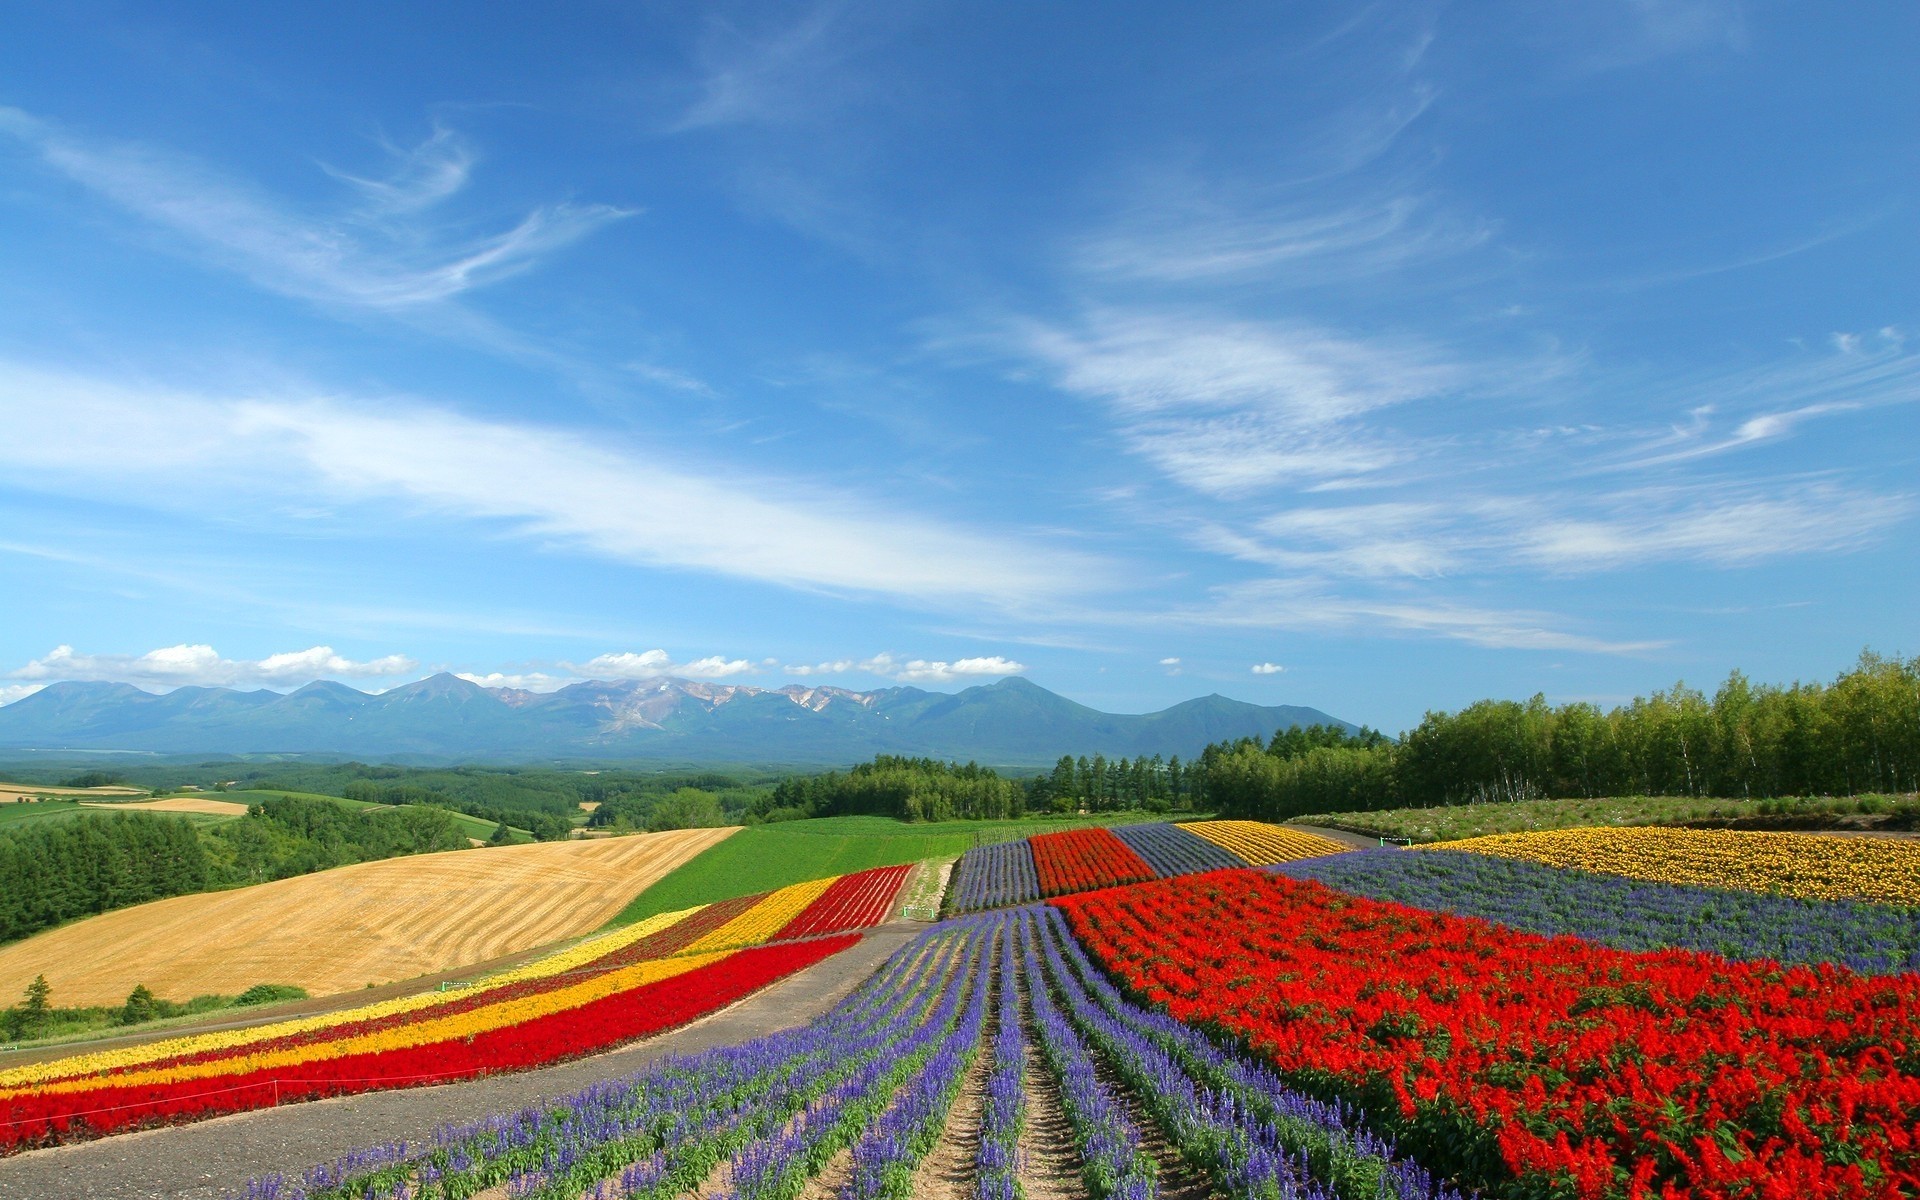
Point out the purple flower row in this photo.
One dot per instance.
(1003, 875)
(1254, 1137)
(1171, 850)
(661, 1132)
(994, 876)
(1629, 914)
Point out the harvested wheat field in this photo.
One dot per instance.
(26, 791)
(174, 804)
(342, 929)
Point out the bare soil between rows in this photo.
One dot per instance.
(211, 1159)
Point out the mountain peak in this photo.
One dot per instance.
(1011, 721)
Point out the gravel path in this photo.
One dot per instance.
(208, 1160)
(1356, 841)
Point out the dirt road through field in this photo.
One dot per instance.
(210, 1160)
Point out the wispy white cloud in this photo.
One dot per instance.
(1226, 407)
(567, 489)
(9, 692)
(1730, 411)
(1267, 668)
(178, 666)
(384, 254)
(766, 76)
(1719, 523)
(1192, 236)
(1299, 605)
(653, 664)
(915, 670)
(1723, 525)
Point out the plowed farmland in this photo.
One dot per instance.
(173, 804)
(345, 928)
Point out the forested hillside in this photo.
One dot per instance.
(90, 864)
(1859, 734)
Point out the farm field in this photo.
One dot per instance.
(1454, 822)
(601, 992)
(1057, 864)
(1419, 1025)
(12, 792)
(769, 856)
(342, 929)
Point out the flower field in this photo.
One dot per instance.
(853, 1104)
(1079, 859)
(1058, 864)
(1259, 844)
(1811, 866)
(1531, 1066)
(1173, 850)
(608, 989)
(1369, 1025)
(1629, 914)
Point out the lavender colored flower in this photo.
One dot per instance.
(1171, 850)
(1630, 914)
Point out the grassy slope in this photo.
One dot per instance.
(15, 816)
(1476, 820)
(772, 856)
(473, 827)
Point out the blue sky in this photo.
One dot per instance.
(1374, 358)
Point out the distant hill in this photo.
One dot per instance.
(1009, 722)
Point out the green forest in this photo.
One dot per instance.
(57, 872)
(1858, 735)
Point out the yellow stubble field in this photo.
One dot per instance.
(342, 929)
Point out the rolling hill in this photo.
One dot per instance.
(369, 923)
(1009, 722)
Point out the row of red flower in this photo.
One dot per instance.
(1540, 1067)
(637, 1012)
(1078, 859)
(854, 901)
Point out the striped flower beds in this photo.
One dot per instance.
(608, 989)
(1259, 844)
(994, 876)
(1176, 850)
(1078, 860)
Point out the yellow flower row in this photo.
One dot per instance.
(206, 1043)
(764, 919)
(468, 1024)
(1810, 866)
(1260, 843)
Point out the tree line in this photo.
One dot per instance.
(55, 872)
(543, 825)
(910, 789)
(1859, 734)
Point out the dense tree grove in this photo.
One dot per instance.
(296, 835)
(545, 826)
(59, 871)
(1857, 735)
(912, 789)
(1098, 784)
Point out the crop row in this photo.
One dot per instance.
(854, 1102)
(1629, 914)
(1810, 866)
(1537, 1067)
(625, 984)
(1057, 864)
(1077, 860)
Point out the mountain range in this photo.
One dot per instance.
(1012, 722)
